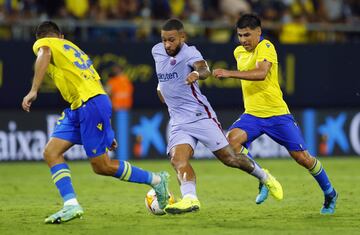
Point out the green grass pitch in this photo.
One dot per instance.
(227, 195)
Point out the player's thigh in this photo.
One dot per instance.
(95, 125)
(244, 130)
(285, 131)
(54, 150)
(181, 153)
(178, 136)
(209, 133)
(68, 127)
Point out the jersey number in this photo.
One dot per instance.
(81, 63)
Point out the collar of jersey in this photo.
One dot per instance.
(261, 38)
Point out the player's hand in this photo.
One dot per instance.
(28, 100)
(192, 77)
(220, 73)
(114, 145)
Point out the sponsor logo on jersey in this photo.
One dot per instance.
(164, 77)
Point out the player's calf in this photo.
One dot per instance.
(103, 165)
(228, 157)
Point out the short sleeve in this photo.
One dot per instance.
(193, 55)
(237, 52)
(154, 50)
(40, 43)
(266, 51)
(158, 52)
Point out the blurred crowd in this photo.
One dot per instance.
(289, 21)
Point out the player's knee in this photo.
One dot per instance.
(234, 143)
(101, 168)
(304, 159)
(46, 154)
(178, 162)
(50, 155)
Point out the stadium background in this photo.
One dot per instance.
(317, 43)
(315, 40)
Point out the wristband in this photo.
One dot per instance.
(196, 72)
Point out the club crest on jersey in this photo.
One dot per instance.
(172, 61)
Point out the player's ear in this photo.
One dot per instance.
(258, 31)
(182, 36)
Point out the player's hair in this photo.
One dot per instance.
(172, 24)
(248, 20)
(47, 27)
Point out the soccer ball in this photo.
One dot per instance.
(152, 203)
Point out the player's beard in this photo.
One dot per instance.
(247, 46)
(174, 52)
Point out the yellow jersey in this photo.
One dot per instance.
(261, 98)
(72, 71)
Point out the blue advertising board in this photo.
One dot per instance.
(327, 133)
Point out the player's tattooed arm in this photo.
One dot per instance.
(201, 71)
(41, 64)
(202, 68)
(259, 73)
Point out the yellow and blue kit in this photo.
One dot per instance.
(87, 121)
(265, 109)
